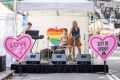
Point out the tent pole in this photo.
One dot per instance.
(93, 30)
(14, 23)
(94, 18)
(15, 18)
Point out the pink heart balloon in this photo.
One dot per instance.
(103, 45)
(18, 47)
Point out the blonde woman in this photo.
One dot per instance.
(74, 39)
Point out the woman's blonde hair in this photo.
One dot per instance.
(75, 24)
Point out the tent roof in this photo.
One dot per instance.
(56, 1)
(55, 5)
(55, 13)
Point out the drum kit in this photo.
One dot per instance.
(47, 53)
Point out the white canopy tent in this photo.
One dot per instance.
(6, 29)
(55, 5)
(7, 25)
(60, 13)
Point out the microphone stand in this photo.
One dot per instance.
(48, 48)
(74, 48)
(48, 58)
(84, 44)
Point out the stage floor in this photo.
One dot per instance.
(59, 68)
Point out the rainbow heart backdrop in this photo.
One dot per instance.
(54, 35)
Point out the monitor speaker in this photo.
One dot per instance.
(59, 57)
(33, 58)
(83, 59)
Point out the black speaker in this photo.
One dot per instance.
(59, 51)
(2, 63)
(83, 59)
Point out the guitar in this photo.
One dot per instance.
(77, 37)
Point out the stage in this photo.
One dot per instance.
(59, 68)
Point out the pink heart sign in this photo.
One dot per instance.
(18, 47)
(103, 45)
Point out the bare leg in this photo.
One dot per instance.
(73, 54)
(74, 49)
(70, 53)
(79, 49)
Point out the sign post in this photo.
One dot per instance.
(18, 47)
(20, 69)
(105, 66)
(103, 46)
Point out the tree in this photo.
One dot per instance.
(8, 3)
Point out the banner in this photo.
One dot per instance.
(103, 46)
(24, 20)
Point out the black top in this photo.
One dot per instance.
(75, 33)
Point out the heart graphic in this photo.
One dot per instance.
(18, 47)
(54, 35)
(103, 46)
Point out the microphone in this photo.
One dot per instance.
(56, 28)
(84, 36)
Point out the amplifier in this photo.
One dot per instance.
(2, 63)
(33, 58)
(83, 59)
(59, 51)
(59, 59)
